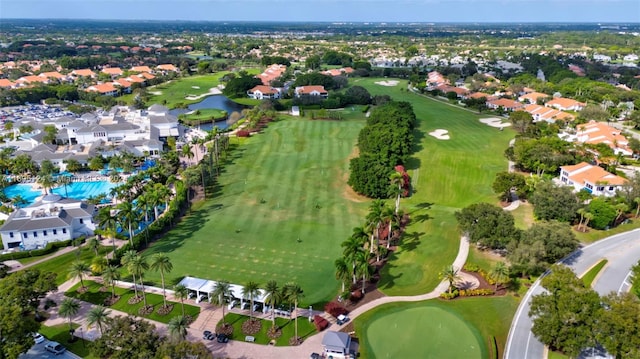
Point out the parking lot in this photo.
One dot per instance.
(38, 352)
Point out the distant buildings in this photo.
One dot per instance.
(302, 91)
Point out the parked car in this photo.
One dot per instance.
(38, 338)
(222, 338)
(54, 347)
(314, 356)
(208, 335)
(342, 319)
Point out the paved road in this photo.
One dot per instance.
(622, 251)
(38, 352)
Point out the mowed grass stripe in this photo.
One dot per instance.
(234, 237)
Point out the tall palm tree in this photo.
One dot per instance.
(343, 273)
(108, 223)
(375, 218)
(272, 297)
(581, 212)
(68, 309)
(127, 259)
(221, 291)
(109, 276)
(164, 194)
(97, 315)
(250, 291)
(351, 247)
(587, 217)
(363, 268)
(79, 270)
(160, 262)
(178, 327)
(128, 215)
(450, 274)
(181, 292)
(139, 266)
(19, 201)
(294, 293)
(64, 181)
(94, 244)
(143, 203)
(47, 182)
(395, 189)
(98, 264)
(187, 152)
(500, 273)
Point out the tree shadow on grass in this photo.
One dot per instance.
(387, 280)
(410, 241)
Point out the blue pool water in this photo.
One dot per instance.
(76, 190)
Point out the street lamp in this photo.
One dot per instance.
(81, 337)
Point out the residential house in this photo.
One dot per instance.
(142, 69)
(114, 72)
(479, 95)
(595, 132)
(52, 219)
(271, 73)
(336, 344)
(532, 97)
(435, 79)
(262, 92)
(338, 72)
(124, 85)
(83, 73)
(32, 79)
(593, 179)
(164, 68)
(4, 83)
(543, 113)
(505, 103)
(459, 91)
(106, 89)
(54, 75)
(565, 104)
(301, 91)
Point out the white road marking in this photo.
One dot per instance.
(625, 282)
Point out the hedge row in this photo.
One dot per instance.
(467, 293)
(48, 249)
(476, 269)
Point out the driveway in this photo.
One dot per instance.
(622, 251)
(38, 352)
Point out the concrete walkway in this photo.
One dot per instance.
(210, 315)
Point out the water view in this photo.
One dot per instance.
(75, 190)
(215, 101)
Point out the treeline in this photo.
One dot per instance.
(385, 141)
(37, 93)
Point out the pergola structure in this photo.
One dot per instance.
(204, 288)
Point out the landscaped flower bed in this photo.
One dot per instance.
(305, 329)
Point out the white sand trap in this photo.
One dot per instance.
(195, 87)
(495, 122)
(440, 134)
(157, 93)
(387, 83)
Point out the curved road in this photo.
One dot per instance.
(622, 251)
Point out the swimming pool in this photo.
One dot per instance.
(75, 190)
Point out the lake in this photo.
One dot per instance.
(214, 101)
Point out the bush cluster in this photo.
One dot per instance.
(243, 133)
(335, 309)
(49, 248)
(320, 323)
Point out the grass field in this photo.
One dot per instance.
(305, 329)
(62, 264)
(95, 296)
(281, 211)
(591, 274)
(447, 176)
(462, 328)
(204, 115)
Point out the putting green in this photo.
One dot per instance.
(393, 334)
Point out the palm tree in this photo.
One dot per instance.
(143, 203)
(98, 264)
(128, 215)
(500, 273)
(94, 244)
(64, 181)
(375, 218)
(187, 152)
(250, 291)
(161, 262)
(69, 308)
(108, 223)
(163, 194)
(637, 202)
(47, 182)
(178, 327)
(127, 259)
(181, 292)
(221, 291)
(79, 270)
(621, 208)
(587, 217)
(395, 189)
(109, 276)
(114, 177)
(138, 266)
(581, 212)
(343, 273)
(97, 315)
(19, 201)
(450, 274)
(352, 246)
(272, 297)
(294, 293)
(363, 268)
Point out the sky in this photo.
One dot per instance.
(330, 10)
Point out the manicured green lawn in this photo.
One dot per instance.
(95, 296)
(588, 277)
(462, 328)
(556, 355)
(206, 115)
(62, 264)
(60, 333)
(281, 211)
(523, 215)
(447, 175)
(594, 234)
(305, 329)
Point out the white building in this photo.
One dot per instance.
(593, 179)
(52, 219)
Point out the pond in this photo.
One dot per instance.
(215, 101)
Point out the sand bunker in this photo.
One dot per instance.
(495, 122)
(440, 134)
(157, 93)
(195, 87)
(387, 83)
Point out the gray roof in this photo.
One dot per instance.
(32, 224)
(94, 128)
(336, 340)
(76, 124)
(163, 119)
(158, 108)
(86, 211)
(45, 147)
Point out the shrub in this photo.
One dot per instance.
(449, 296)
(471, 267)
(335, 309)
(243, 133)
(320, 323)
(476, 292)
(356, 295)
